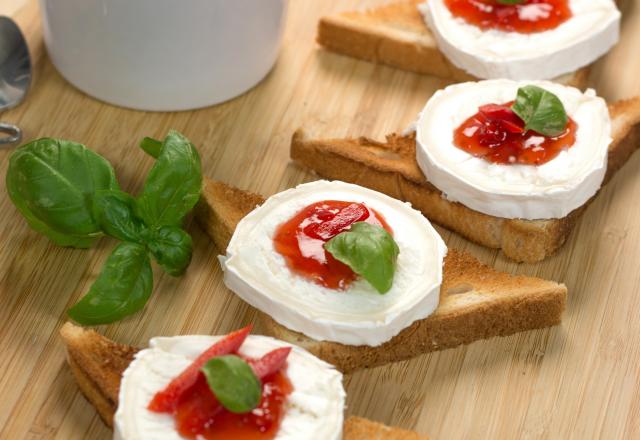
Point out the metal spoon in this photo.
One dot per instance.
(15, 75)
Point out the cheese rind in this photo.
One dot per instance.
(358, 315)
(315, 407)
(590, 33)
(551, 190)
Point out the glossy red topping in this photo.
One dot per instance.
(167, 399)
(526, 18)
(199, 415)
(300, 240)
(497, 135)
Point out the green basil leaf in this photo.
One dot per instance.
(511, 2)
(122, 288)
(173, 185)
(541, 111)
(151, 146)
(114, 212)
(171, 246)
(370, 251)
(52, 183)
(234, 383)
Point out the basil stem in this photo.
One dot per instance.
(151, 146)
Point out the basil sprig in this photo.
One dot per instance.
(541, 111)
(511, 2)
(234, 383)
(70, 194)
(370, 251)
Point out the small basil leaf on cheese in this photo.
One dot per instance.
(234, 383)
(369, 251)
(511, 2)
(541, 111)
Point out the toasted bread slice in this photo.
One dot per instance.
(359, 428)
(98, 363)
(390, 167)
(476, 302)
(396, 35)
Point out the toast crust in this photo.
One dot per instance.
(391, 167)
(97, 363)
(476, 302)
(396, 35)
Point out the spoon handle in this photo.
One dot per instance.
(26, 13)
(9, 134)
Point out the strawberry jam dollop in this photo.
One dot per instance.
(300, 240)
(199, 415)
(497, 135)
(528, 17)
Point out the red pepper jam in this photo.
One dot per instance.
(300, 240)
(526, 18)
(497, 135)
(199, 415)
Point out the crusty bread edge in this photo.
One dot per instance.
(529, 241)
(493, 315)
(355, 428)
(449, 327)
(106, 409)
(404, 50)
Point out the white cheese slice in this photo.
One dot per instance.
(592, 30)
(358, 315)
(314, 409)
(551, 190)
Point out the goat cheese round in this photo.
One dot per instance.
(551, 190)
(592, 30)
(314, 409)
(358, 315)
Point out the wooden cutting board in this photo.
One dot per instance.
(579, 380)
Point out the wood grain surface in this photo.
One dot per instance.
(579, 380)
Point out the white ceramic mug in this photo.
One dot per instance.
(163, 55)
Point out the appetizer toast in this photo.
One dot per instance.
(396, 35)
(98, 363)
(476, 302)
(390, 167)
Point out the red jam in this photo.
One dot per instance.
(526, 18)
(199, 415)
(497, 135)
(197, 412)
(300, 240)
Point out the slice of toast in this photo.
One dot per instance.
(98, 363)
(396, 35)
(391, 167)
(476, 302)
